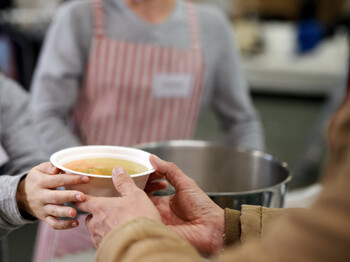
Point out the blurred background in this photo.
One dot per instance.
(294, 55)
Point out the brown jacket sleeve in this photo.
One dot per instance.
(144, 240)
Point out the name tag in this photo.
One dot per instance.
(172, 85)
(4, 158)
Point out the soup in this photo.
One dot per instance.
(104, 166)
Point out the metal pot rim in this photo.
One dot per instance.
(201, 143)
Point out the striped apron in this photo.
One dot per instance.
(132, 93)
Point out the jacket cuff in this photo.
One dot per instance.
(256, 221)
(250, 222)
(232, 226)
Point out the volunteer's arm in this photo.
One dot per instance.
(60, 74)
(25, 196)
(231, 97)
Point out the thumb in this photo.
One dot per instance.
(122, 181)
(173, 174)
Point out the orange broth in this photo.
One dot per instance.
(104, 166)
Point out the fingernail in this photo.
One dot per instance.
(117, 170)
(85, 179)
(74, 224)
(53, 170)
(78, 197)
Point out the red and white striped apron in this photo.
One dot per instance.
(117, 106)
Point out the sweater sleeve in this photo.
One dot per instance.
(60, 73)
(20, 143)
(144, 240)
(17, 135)
(10, 216)
(230, 98)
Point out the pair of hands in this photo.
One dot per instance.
(37, 195)
(189, 213)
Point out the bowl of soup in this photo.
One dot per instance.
(97, 162)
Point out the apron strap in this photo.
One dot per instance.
(99, 18)
(196, 41)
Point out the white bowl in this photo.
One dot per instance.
(102, 185)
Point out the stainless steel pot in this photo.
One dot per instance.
(229, 176)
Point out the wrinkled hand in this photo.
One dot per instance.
(190, 213)
(107, 212)
(36, 195)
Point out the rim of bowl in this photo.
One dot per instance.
(53, 160)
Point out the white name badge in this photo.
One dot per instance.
(172, 85)
(4, 158)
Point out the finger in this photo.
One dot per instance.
(64, 180)
(122, 181)
(172, 173)
(47, 168)
(155, 176)
(61, 224)
(63, 196)
(156, 186)
(88, 205)
(60, 211)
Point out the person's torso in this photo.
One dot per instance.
(138, 92)
(122, 24)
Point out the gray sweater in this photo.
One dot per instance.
(62, 64)
(20, 151)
